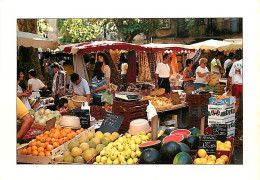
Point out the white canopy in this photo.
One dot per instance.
(216, 45)
(153, 45)
(34, 40)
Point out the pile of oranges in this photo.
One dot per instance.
(49, 140)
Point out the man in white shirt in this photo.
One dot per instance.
(80, 86)
(162, 73)
(228, 64)
(215, 65)
(236, 79)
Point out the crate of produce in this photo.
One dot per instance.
(230, 124)
(198, 99)
(196, 122)
(221, 112)
(23, 157)
(221, 89)
(49, 124)
(198, 111)
(222, 100)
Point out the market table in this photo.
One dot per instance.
(180, 110)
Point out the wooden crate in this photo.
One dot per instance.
(47, 159)
(49, 124)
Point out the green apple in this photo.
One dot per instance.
(138, 140)
(138, 153)
(116, 161)
(126, 155)
(123, 162)
(121, 158)
(130, 161)
(135, 160)
(113, 156)
(107, 154)
(143, 132)
(120, 140)
(133, 147)
(109, 161)
(103, 159)
(98, 158)
(120, 148)
(102, 153)
(133, 154)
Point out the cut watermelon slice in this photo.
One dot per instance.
(173, 137)
(151, 144)
(183, 132)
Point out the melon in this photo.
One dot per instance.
(174, 138)
(78, 159)
(184, 147)
(192, 141)
(182, 158)
(73, 144)
(168, 151)
(152, 144)
(150, 156)
(194, 131)
(183, 132)
(161, 137)
(76, 151)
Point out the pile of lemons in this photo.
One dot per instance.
(125, 150)
(204, 158)
(226, 146)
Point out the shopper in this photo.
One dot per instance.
(236, 79)
(162, 73)
(215, 64)
(79, 86)
(34, 103)
(201, 74)
(63, 106)
(188, 76)
(102, 57)
(34, 84)
(20, 93)
(99, 84)
(23, 114)
(59, 83)
(228, 64)
(124, 67)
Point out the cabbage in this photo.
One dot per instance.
(36, 113)
(31, 111)
(50, 116)
(47, 112)
(42, 121)
(41, 111)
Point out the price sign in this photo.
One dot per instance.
(209, 143)
(111, 123)
(220, 130)
(84, 117)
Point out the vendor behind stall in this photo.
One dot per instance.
(79, 86)
(162, 73)
(34, 84)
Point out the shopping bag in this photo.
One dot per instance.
(107, 97)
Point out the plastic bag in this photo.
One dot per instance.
(107, 97)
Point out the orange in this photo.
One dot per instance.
(49, 147)
(64, 134)
(65, 139)
(51, 135)
(41, 135)
(69, 136)
(41, 154)
(55, 144)
(73, 134)
(34, 143)
(52, 130)
(38, 138)
(60, 141)
(81, 129)
(225, 158)
(58, 127)
(38, 143)
(47, 132)
(43, 145)
(42, 139)
(202, 153)
(48, 139)
(34, 148)
(67, 130)
(30, 144)
(24, 151)
(45, 136)
(29, 150)
(35, 153)
(40, 149)
(47, 143)
(56, 136)
(47, 153)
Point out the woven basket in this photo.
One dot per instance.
(78, 100)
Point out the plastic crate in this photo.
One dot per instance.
(198, 111)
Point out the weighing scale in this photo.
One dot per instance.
(127, 96)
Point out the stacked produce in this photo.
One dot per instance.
(159, 102)
(49, 140)
(98, 112)
(204, 158)
(226, 146)
(43, 115)
(86, 147)
(125, 150)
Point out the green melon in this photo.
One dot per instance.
(184, 147)
(194, 131)
(182, 158)
(168, 151)
(192, 141)
(150, 156)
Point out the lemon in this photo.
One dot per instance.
(202, 153)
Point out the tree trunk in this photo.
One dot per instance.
(28, 57)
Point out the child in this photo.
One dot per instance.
(34, 104)
(63, 106)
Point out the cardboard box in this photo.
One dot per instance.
(224, 101)
(230, 124)
(221, 112)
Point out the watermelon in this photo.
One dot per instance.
(152, 144)
(192, 141)
(194, 131)
(168, 151)
(182, 158)
(150, 156)
(183, 132)
(184, 147)
(161, 137)
(174, 138)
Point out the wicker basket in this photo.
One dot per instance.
(78, 100)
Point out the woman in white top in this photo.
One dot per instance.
(201, 74)
(34, 84)
(102, 57)
(124, 67)
(20, 94)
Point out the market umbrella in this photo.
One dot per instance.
(209, 44)
(167, 47)
(27, 39)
